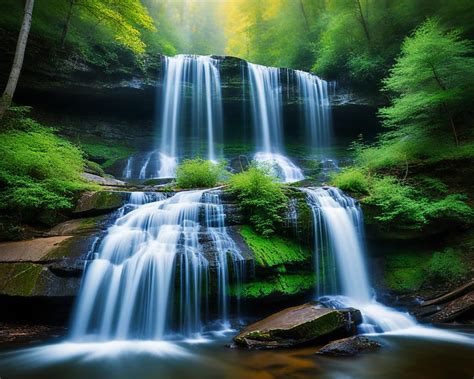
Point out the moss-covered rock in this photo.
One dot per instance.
(19, 279)
(295, 325)
(276, 286)
(274, 251)
(99, 202)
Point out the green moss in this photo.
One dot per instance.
(106, 153)
(278, 285)
(275, 250)
(404, 271)
(408, 271)
(19, 279)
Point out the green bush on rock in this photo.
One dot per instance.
(352, 180)
(261, 198)
(199, 173)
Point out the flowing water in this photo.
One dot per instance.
(151, 278)
(199, 78)
(314, 93)
(267, 108)
(340, 266)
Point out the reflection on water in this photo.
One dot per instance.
(400, 357)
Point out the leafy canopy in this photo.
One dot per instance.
(433, 78)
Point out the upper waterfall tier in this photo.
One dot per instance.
(191, 121)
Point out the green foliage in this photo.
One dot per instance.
(408, 271)
(278, 285)
(352, 180)
(199, 173)
(404, 271)
(433, 77)
(39, 172)
(105, 153)
(402, 205)
(270, 252)
(397, 203)
(261, 197)
(445, 266)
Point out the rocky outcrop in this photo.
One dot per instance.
(103, 181)
(99, 202)
(349, 346)
(297, 325)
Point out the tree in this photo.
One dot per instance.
(433, 79)
(123, 17)
(18, 59)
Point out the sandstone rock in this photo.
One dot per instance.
(349, 346)
(33, 250)
(297, 325)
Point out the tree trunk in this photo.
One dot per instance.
(303, 11)
(18, 59)
(363, 21)
(67, 22)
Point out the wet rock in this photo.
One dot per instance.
(93, 203)
(296, 325)
(19, 333)
(349, 346)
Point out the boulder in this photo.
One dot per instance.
(349, 346)
(99, 202)
(297, 325)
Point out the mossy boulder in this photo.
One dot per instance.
(99, 202)
(297, 325)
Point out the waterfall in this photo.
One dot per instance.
(267, 108)
(151, 276)
(338, 227)
(339, 236)
(201, 75)
(314, 95)
(225, 248)
(127, 172)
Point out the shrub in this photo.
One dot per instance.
(199, 173)
(261, 197)
(446, 266)
(39, 171)
(351, 179)
(396, 202)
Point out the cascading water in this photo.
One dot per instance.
(265, 89)
(151, 277)
(201, 74)
(339, 238)
(314, 94)
(225, 248)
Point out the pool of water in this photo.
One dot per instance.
(400, 357)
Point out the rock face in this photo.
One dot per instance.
(297, 325)
(349, 346)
